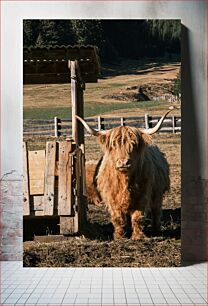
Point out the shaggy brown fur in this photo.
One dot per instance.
(131, 177)
(93, 196)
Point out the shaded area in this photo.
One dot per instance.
(99, 226)
(40, 226)
(137, 67)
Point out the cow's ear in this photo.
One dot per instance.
(104, 141)
(147, 139)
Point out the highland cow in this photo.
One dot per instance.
(131, 177)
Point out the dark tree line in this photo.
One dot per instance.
(133, 39)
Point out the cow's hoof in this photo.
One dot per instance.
(137, 236)
(118, 236)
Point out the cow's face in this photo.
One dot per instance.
(124, 147)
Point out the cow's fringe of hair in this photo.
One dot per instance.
(126, 138)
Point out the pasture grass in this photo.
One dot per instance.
(90, 109)
(47, 113)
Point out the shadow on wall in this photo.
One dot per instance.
(193, 244)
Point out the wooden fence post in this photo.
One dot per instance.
(77, 87)
(146, 119)
(99, 123)
(72, 67)
(173, 123)
(55, 126)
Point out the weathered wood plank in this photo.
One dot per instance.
(49, 238)
(36, 162)
(67, 225)
(65, 178)
(49, 178)
(38, 205)
(26, 197)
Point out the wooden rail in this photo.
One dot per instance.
(63, 127)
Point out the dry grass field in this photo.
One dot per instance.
(96, 248)
(102, 98)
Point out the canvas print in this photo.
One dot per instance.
(101, 143)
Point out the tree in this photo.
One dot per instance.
(91, 32)
(65, 32)
(165, 34)
(31, 30)
(88, 32)
(49, 34)
(115, 39)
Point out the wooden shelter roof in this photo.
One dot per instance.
(50, 64)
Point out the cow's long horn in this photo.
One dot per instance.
(157, 126)
(89, 129)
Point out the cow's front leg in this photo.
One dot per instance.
(137, 229)
(118, 219)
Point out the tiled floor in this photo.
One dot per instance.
(103, 286)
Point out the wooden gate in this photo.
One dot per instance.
(54, 184)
